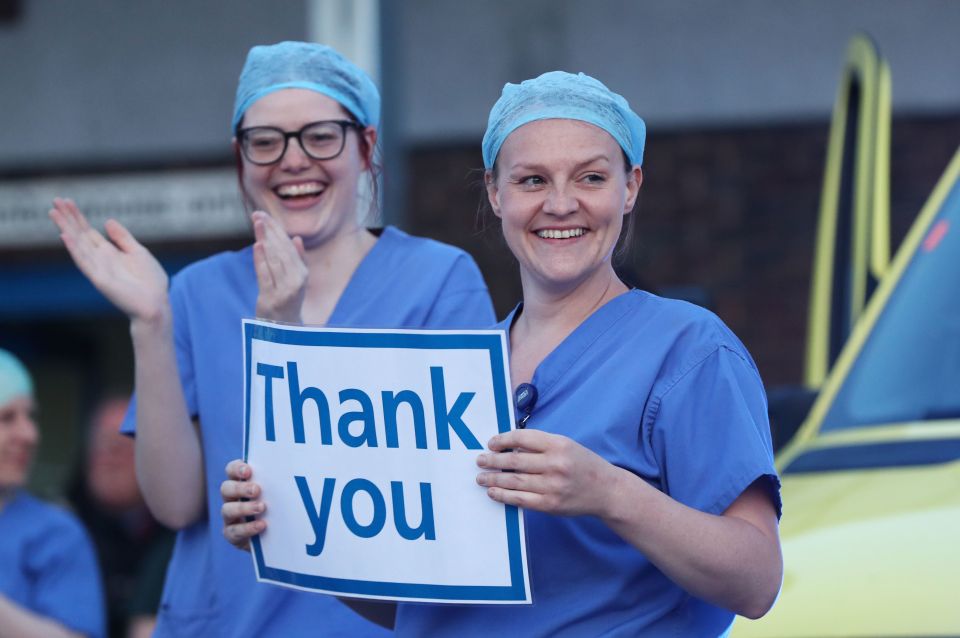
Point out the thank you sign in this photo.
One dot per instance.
(365, 444)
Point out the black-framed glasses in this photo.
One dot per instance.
(321, 140)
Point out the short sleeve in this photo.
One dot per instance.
(67, 579)
(463, 300)
(184, 351)
(711, 435)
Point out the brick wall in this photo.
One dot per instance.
(727, 217)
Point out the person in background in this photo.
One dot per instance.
(645, 471)
(132, 547)
(49, 580)
(305, 131)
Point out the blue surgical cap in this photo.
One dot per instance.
(15, 381)
(306, 65)
(561, 95)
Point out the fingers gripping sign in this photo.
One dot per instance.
(281, 270)
(546, 472)
(241, 500)
(117, 265)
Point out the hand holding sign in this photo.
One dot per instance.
(546, 472)
(241, 501)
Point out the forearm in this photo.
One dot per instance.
(169, 457)
(19, 622)
(732, 560)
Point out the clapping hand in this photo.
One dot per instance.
(117, 265)
(281, 270)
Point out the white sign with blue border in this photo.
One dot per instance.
(365, 445)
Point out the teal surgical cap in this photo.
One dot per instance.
(305, 65)
(564, 96)
(14, 379)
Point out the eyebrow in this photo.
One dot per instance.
(539, 166)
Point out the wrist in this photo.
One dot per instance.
(619, 499)
(157, 322)
(289, 315)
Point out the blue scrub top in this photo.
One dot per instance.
(403, 282)
(663, 389)
(48, 565)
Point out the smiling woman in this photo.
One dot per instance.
(646, 462)
(305, 126)
(562, 219)
(309, 186)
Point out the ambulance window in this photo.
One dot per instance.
(909, 367)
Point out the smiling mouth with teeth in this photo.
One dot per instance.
(550, 233)
(290, 191)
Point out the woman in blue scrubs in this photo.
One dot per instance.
(644, 467)
(49, 579)
(305, 130)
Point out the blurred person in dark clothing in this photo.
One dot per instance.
(132, 547)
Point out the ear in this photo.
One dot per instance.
(370, 138)
(248, 202)
(493, 191)
(634, 181)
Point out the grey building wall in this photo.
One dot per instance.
(113, 82)
(679, 63)
(109, 82)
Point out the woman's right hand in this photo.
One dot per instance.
(281, 270)
(240, 501)
(117, 265)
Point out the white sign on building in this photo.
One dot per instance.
(165, 205)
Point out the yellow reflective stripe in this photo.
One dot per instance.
(862, 62)
(821, 288)
(880, 227)
(870, 223)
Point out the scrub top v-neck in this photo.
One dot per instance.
(663, 389)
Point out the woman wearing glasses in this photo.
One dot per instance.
(305, 124)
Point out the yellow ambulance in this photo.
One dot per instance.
(871, 480)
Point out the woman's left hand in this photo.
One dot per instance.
(281, 270)
(546, 472)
